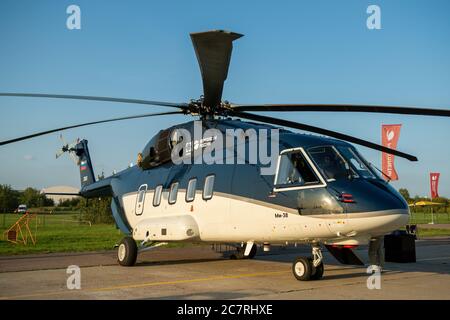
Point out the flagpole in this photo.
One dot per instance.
(432, 215)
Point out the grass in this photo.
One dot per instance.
(426, 233)
(63, 232)
(60, 233)
(424, 218)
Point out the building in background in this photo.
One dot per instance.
(60, 189)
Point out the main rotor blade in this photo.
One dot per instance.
(91, 98)
(334, 134)
(213, 50)
(343, 108)
(87, 124)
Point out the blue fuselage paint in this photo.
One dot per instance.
(245, 180)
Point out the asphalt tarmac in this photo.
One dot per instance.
(200, 273)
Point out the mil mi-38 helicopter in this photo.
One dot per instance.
(322, 192)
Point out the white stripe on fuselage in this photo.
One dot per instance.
(231, 218)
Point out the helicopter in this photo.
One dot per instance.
(322, 192)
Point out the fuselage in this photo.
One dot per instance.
(322, 190)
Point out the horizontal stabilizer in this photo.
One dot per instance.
(100, 188)
(61, 193)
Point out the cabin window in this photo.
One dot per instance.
(139, 209)
(141, 195)
(190, 192)
(208, 187)
(294, 170)
(157, 195)
(173, 193)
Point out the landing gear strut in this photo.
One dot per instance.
(240, 252)
(309, 268)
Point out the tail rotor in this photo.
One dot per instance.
(68, 147)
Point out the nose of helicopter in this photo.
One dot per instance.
(373, 207)
(390, 221)
(372, 195)
(376, 223)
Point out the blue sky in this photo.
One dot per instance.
(292, 52)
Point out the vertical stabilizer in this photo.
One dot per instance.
(84, 160)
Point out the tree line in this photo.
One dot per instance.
(444, 208)
(10, 199)
(96, 210)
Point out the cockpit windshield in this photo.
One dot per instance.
(356, 162)
(330, 162)
(340, 162)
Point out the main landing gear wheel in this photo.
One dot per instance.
(127, 252)
(302, 268)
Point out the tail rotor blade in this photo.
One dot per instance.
(59, 153)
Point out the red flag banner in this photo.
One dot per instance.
(389, 138)
(434, 182)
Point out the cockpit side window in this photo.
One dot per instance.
(330, 162)
(294, 170)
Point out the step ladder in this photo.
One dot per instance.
(20, 231)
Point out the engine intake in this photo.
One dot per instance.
(156, 152)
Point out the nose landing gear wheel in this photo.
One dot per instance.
(302, 268)
(127, 252)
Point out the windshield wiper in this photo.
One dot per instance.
(384, 174)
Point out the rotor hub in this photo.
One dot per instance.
(199, 108)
